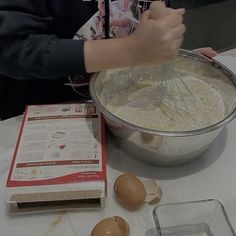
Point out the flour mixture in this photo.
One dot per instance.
(168, 108)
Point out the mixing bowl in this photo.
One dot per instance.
(158, 146)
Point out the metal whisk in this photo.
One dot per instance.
(172, 84)
(177, 98)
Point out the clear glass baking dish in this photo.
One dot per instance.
(194, 218)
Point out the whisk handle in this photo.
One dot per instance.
(157, 9)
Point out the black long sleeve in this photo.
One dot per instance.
(30, 45)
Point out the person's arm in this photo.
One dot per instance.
(28, 49)
(153, 42)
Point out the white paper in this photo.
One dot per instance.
(56, 136)
(228, 61)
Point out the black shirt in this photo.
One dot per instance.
(37, 52)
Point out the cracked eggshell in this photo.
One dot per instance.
(153, 191)
(111, 226)
(130, 191)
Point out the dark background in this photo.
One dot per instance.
(209, 23)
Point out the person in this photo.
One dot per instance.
(38, 53)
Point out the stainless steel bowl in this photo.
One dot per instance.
(164, 147)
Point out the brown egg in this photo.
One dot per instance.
(112, 226)
(130, 191)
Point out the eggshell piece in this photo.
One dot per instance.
(153, 191)
(111, 226)
(130, 191)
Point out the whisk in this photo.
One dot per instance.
(172, 80)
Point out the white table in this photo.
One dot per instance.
(211, 176)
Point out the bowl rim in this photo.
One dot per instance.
(207, 129)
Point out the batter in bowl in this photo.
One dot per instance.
(170, 108)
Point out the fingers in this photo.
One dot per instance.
(173, 49)
(178, 42)
(180, 11)
(171, 20)
(158, 10)
(207, 51)
(177, 32)
(145, 15)
(171, 29)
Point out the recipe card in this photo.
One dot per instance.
(59, 157)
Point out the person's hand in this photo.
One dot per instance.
(157, 41)
(206, 51)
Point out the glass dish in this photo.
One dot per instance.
(194, 218)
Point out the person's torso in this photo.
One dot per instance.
(69, 15)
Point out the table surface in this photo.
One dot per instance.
(211, 176)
